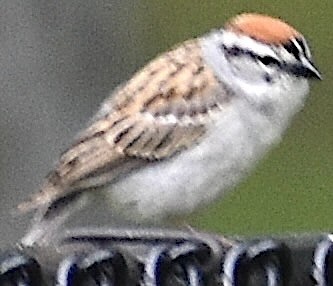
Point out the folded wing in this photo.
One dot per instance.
(165, 108)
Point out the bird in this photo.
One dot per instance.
(189, 125)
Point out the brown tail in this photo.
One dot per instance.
(47, 195)
(89, 155)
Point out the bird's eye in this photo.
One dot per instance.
(267, 60)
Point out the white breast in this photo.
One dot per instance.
(198, 175)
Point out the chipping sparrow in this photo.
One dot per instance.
(188, 126)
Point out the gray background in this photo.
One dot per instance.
(59, 59)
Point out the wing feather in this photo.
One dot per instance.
(163, 109)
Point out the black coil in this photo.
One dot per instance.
(170, 258)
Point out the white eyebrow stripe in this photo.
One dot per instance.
(247, 43)
(306, 50)
(297, 45)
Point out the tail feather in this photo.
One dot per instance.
(80, 161)
(44, 197)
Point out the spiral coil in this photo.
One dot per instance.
(167, 257)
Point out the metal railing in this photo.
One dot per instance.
(135, 256)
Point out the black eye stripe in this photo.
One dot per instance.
(301, 44)
(267, 60)
(304, 46)
(293, 68)
(291, 48)
(236, 51)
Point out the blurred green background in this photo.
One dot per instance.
(59, 59)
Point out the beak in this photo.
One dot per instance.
(311, 70)
(305, 68)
